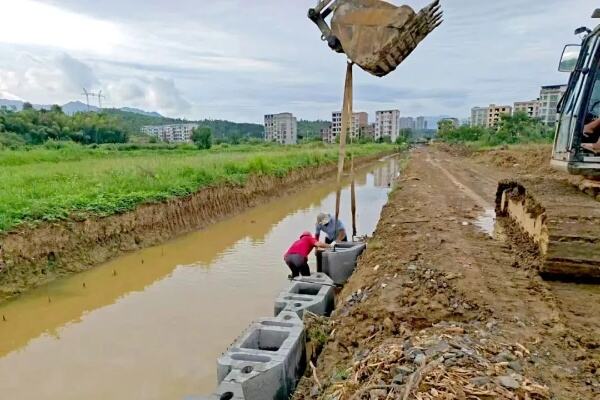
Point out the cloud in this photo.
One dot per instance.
(156, 94)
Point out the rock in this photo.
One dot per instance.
(420, 359)
(387, 322)
(508, 382)
(314, 392)
(399, 379)
(480, 381)
(440, 347)
(505, 356)
(412, 267)
(515, 366)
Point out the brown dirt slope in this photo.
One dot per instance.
(440, 309)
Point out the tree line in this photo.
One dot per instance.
(34, 127)
(511, 129)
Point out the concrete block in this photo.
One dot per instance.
(315, 293)
(339, 264)
(268, 359)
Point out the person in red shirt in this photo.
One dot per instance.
(296, 257)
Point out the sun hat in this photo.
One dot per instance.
(323, 219)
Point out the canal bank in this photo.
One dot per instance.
(151, 324)
(32, 256)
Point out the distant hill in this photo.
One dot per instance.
(73, 107)
(141, 112)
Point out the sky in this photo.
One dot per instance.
(241, 59)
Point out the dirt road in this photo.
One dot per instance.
(444, 308)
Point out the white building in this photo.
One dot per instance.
(407, 123)
(479, 116)
(387, 124)
(421, 124)
(549, 98)
(175, 133)
(281, 128)
(360, 123)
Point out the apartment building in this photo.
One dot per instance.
(360, 124)
(479, 116)
(407, 123)
(387, 124)
(421, 124)
(531, 108)
(326, 135)
(549, 98)
(175, 133)
(281, 128)
(495, 113)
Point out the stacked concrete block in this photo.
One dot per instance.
(267, 360)
(339, 264)
(315, 293)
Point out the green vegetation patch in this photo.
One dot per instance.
(49, 184)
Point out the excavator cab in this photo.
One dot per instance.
(580, 107)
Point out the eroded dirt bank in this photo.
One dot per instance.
(439, 308)
(34, 256)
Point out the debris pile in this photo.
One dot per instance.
(441, 362)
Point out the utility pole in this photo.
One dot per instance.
(87, 98)
(87, 95)
(100, 97)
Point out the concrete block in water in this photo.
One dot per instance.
(339, 264)
(268, 359)
(314, 293)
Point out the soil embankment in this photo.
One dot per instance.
(445, 305)
(34, 256)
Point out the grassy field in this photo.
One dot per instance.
(53, 184)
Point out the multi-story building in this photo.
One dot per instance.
(281, 128)
(531, 108)
(177, 133)
(479, 116)
(495, 113)
(360, 123)
(387, 124)
(549, 98)
(421, 124)
(326, 135)
(407, 123)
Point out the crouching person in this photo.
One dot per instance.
(296, 257)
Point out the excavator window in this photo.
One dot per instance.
(591, 131)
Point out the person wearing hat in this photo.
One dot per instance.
(333, 229)
(296, 257)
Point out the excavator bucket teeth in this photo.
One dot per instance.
(378, 36)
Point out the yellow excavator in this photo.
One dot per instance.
(563, 215)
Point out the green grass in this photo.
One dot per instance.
(44, 184)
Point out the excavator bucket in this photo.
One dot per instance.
(374, 34)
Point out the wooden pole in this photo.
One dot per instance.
(346, 124)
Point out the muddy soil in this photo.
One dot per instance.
(445, 305)
(33, 256)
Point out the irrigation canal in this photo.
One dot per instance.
(151, 324)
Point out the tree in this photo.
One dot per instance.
(202, 137)
(56, 109)
(27, 106)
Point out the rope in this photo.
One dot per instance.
(346, 124)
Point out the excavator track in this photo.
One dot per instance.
(562, 220)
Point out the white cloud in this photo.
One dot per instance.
(58, 78)
(28, 22)
(156, 94)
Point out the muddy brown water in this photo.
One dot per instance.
(151, 324)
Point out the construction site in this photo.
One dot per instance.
(465, 268)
